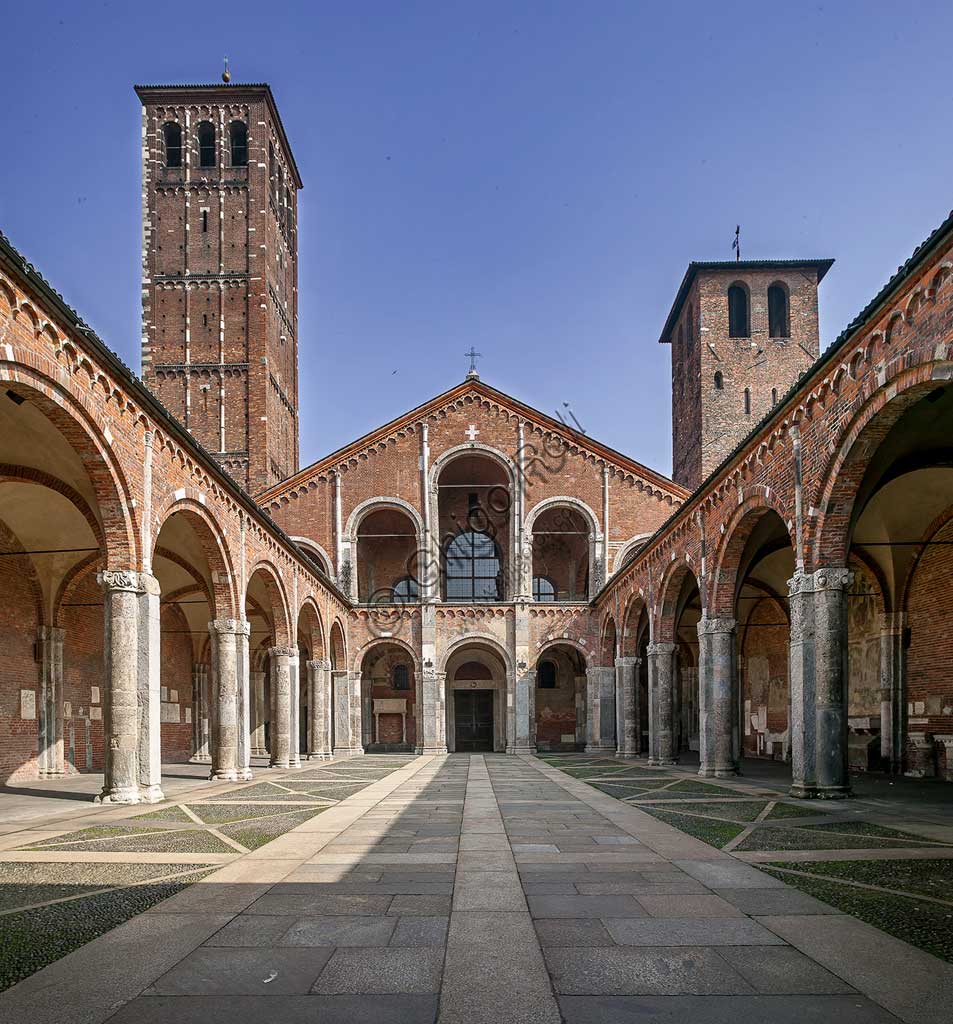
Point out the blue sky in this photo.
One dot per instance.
(530, 178)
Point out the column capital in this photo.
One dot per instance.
(319, 664)
(627, 660)
(708, 626)
(129, 580)
(661, 647)
(825, 578)
(54, 633)
(283, 652)
(223, 627)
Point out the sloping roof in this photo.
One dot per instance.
(821, 266)
(156, 93)
(479, 387)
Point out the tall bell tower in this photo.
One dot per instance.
(220, 272)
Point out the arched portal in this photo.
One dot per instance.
(563, 542)
(273, 684)
(476, 698)
(389, 699)
(386, 557)
(560, 698)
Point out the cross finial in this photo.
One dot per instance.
(473, 356)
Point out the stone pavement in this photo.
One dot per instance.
(487, 888)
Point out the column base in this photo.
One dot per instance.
(295, 762)
(594, 749)
(319, 755)
(151, 794)
(245, 774)
(834, 793)
(430, 750)
(728, 771)
(200, 759)
(119, 795)
(663, 762)
(280, 764)
(802, 792)
(521, 749)
(629, 755)
(224, 775)
(348, 752)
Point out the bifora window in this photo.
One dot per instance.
(473, 568)
(543, 589)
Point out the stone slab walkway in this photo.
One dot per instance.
(487, 888)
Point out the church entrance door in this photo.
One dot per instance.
(473, 719)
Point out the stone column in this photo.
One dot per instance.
(580, 694)
(225, 698)
(322, 709)
(524, 740)
(357, 712)
(50, 711)
(347, 723)
(150, 690)
(627, 706)
(433, 716)
(662, 706)
(280, 658)
(200, 718)
(294, 753)
(893, 686)
(600, 706)
(121, 678)
(257, 687)
(244, 701)
(819, 683)
(717, 685)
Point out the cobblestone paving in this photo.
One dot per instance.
(72, 901)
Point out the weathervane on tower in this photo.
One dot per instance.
(473, 356)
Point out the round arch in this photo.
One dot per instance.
(310, 607)
(365, 508)
(565, 501)
(312, 547)
(471, 448)
(623, 553)
(669, 592)
(278, 600)
(563, 641)
(337, 646)
(384, 641)
(476, 640)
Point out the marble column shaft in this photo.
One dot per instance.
(600, 708)
(818, 663)
(226, 699)
(717, 685)
(893, 680)
(627, 706)
(662, 703)
(294, 752)
(280, 733)
(50, 711)
(200, 714)
(433, 717)
(524, 740)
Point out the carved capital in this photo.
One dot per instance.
(663, 647)
(833, 578)
(707, 626)
(234, 627)
(119, 579)
(283, 652)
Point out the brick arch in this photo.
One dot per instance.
(10, 545)
(309, 609)
(669, 590)
(562, 641)
(938, 524)
(337, 646)
(76, 419)
(385, 641)
(631, 615)
(201, 585)
(71, 581)
(278, 599)
(212, 540)
(28, 475)
(838, 485)
(727, 577)
(608, 641)
(484, 640)
(864, 562)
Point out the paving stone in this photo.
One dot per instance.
(381, 971)
(615, 971)
(757, 902)
(622, 840)
(780, 970)
(480, 928)
(725, 931)
(689, 906)
(723, 1010)
(251, 930)
(339, 931)
(264, 972)
(573, 932)
(728, 874)
(585, 906)
(422, 906)
(317, 905)
(421, 931)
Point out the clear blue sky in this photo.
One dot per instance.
(531, 179)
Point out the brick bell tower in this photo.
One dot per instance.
(220, 272)
(741, 332)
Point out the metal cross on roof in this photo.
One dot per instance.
(473, 356)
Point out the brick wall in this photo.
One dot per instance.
(18, 628)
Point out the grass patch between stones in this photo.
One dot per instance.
(715, 833)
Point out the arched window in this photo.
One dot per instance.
(474, 569)
(546, 675)
(172, 135)
(406, 591)
(778, 325)
(719, 381)
(238, 143)
(747, 401)
(738, 323)
(543, 589)
(206, 132)
(400, 677)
